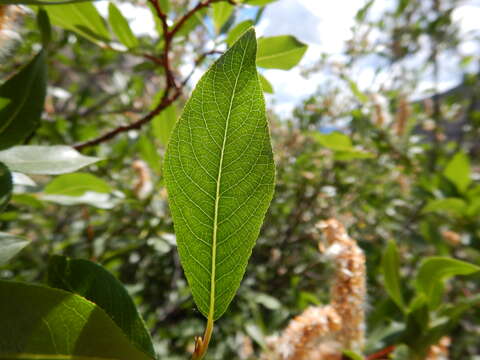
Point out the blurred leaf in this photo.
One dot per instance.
(258, 2)
(44, 25)
(356, 91)
(98, 200)
(255, 333)
(352, 355)
(22, 179)
(458, 171)
(221, 13)
(266, 86)
(6, 186)
(120, 27)
(96, 284)
(237, 31)
(76, 184)
(217, 201)
(4, 102)
(10, 246)
(163, 123)
(83, 19)
(150, 153)
(333, 140)
(47, 160)
(454, 206)
(268, 301)
(57, 322)
(26, 92)
(391, 273)
(434, 271)
(280, 52)
(352, 154)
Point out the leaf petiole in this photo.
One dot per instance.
(201, 344)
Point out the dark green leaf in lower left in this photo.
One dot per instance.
(44, 323)
(96, 284)
(25, 92)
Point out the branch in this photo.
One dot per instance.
(193, 11)
(164, 60)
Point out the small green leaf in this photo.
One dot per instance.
(356, 91)
(391, 273)
(58, 325)
(258, 2)
(221, 13)
(333, 140)
(26, 92)
(149, 153)
(280, 52)
(352, 355)
(96, 284)
(10, 246)
(219, 173)
(77, 184)
(43, 23)
(435, 270)
(92, 198)
(458, 171)
(120, 27)
(453, 206)
(82, 18)
(46, 160)
(266, 86)
(4, 102)
(6, 186)
(163, 123)
(237, 31)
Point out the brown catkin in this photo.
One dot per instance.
(402, 115)
(322, 332)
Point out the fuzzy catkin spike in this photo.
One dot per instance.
(348, 293)
(402, 115)
(321, 333)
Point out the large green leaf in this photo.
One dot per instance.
(96, 284)
(391, 273)
(82, 18)
(47, 160)
(77, 184)
(280, 52)
(26, 92)
(120, 27)
(45, 323)
(219, 173)
(458, 171)
(434, 270)
(9, 246)
(6, 186)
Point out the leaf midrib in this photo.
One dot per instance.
(211, 312)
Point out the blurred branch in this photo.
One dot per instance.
(172, 89)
